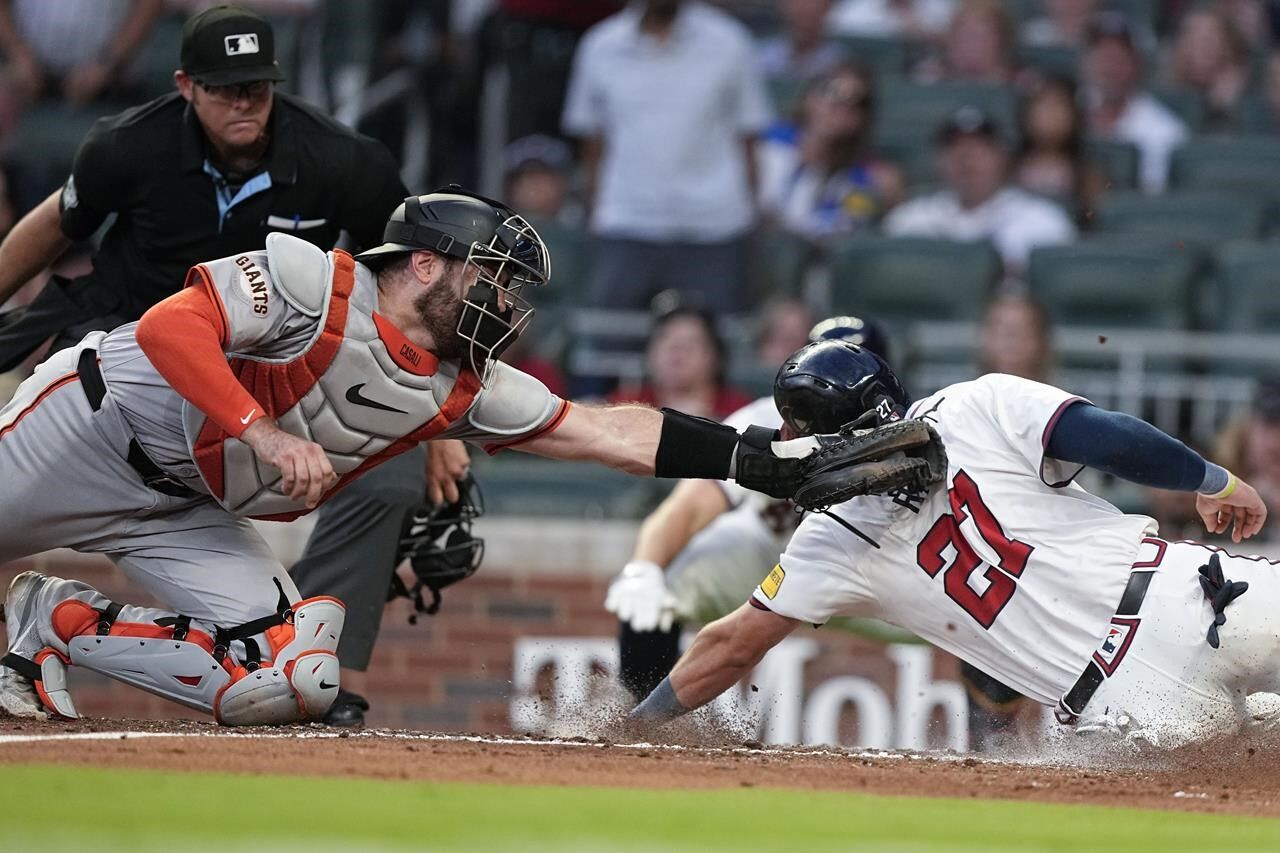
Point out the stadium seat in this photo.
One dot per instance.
(1051, 60)
(517, 484)
(1203, 216)
(780, 258)
(900, 280)
(1247, 297)
(1252, 114)
(1247, 163)
(1135, 282)
(1188, 105)
(785, 93)
(1117, 160)
(912, 112)
(570, 250)
(885, 56)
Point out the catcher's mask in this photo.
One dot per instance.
(437, 542)
(501, 245)
(831, 384)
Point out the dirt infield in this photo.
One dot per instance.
(1235, 778)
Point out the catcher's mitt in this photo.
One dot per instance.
(899, 456)
(437, 542)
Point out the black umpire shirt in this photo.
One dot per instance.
(150, 166)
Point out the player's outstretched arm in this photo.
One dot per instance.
(722, 654)
(641, 440)
(1237, 508)
(1134, 450)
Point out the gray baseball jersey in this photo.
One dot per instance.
(304, 338)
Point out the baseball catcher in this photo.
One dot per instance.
(272, 380)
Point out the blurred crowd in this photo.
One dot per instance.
(704, 161)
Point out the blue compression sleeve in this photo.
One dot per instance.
(1128, 448)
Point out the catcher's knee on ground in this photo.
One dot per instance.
(173, 658)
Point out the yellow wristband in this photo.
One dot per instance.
(1232, 482)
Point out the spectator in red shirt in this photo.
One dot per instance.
(685, 364)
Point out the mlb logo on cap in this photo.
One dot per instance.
(226, 45)
(241, 43)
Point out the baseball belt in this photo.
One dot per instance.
(95, 389)
(1072, 703)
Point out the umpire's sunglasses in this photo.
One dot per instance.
(252, 91)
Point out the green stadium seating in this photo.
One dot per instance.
(517, 484)
(1247, 163)
(570, 250)
(1203, 216)
(1252, 115)
(900, 280)
(780, 262)
(885, 56)
(910, 113)
(1051, 59)
(1118, 161)
(786, 93)
(1247, 298)
(1135, 283)
(1188, 105)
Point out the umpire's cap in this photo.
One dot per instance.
(226, 45)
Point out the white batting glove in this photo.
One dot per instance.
(639, 597)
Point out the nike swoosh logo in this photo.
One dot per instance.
(245, 420)
(324, 685)
(354, 396)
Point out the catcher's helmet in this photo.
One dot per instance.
(853, 330)
(437, 542)
(505, 250)
(829, 384)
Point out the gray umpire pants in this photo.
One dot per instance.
(352, 550)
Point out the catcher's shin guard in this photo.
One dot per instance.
(47, 672)
(197, 669)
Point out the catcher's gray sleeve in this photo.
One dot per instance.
(513, 407)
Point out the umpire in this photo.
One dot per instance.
(204, 172)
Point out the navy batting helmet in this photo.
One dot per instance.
(853, 330)
(829, 384)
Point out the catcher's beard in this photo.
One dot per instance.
(439, 308)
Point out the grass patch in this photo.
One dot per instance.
(49, 808)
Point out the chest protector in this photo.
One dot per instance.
(342, 391)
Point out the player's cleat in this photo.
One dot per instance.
(33, 679)
(348, 710)
(18, 696)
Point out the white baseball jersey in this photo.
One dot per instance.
(1008, 565)
(779, 516)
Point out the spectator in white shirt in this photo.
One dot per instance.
(1063, 24)
(979, 203)
(917, 19)
(802, 50)
(1116, 106)
(667, 99)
